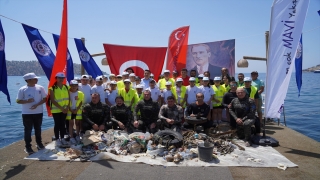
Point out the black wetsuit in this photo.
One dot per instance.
(95, 114)
(195, 109)
(149, 112)
(123, 114)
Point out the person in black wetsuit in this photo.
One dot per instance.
(95, 114)
(226, 102)
(199, 107)
(121, 115)
(149, 111)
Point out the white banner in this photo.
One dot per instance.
(287, 19)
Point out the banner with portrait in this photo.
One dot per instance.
(211, 56)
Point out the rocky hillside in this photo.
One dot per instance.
(312, 69)
(19, 68)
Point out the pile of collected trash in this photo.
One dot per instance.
(167, 144)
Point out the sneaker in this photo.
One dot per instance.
(58, 143)
(73, 141)
(29, 150)
(64, 142)
(40, 146)
(78, 139)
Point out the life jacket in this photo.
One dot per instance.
(182, 94)
(128, 96)
(219, 92)
(78, 101)
(162, 83)
(61, 96)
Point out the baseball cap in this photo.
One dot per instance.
(127, 80)
(192, 79)
(60, 75)
(138, 78)
(99, 78)
(152, 80)
(254, 72)
(247, 79)
(74, 82)
(200, 76)
(119, 76)
(113, 82)
(76, 78)
(112, 75)
(139, 86)
(205, 79)
(30, 76)
(168, 83)
(174, 72)
(125, 73)
(179, 80)
(151, 75)
(217, 78)
(84, 77)
(132, 75)
(166, 71)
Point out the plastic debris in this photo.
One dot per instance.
(282, 166)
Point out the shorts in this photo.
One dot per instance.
(73, 116)
(259, 105)
(218, 107)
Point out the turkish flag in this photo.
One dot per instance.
(177, 49)
(138, 58)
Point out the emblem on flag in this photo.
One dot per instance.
(299, 50)
(84, 56)
(41, 48)
(1, 42)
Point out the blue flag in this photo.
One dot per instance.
(298, 64)
(86, 60)
(3, 66)
(41, 49)
(319, 12)
(70, 73)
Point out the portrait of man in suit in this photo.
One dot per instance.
(201, 54)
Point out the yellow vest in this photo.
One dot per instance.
(79, 112)
(120, 84)
(128, 96)
(253, 91)
(219, 92)
(226, 88)
(61, 96)
(162, 83)
(182, 94)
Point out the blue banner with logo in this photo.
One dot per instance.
(86, 60)
(298, 65)
(3, 66)
(41, 49)
(70, 72)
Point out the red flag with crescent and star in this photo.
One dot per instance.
(177, 49)
(121, 57)
(61, 57)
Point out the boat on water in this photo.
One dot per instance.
(317, 71)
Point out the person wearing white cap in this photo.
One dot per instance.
(85, 88)
(259, 84)
(74, 115)
(166, 93)
(191, 92)
(162, 82)
(77, 79)
(59, 97)
(217, 100)
(111, 94)
(105, 83)
(132, 78)
(179, 92)
(155, 92)
(139, 89)
(31, 97)
(146, 80)
(208, 93)
(128, 94)
(98, 88)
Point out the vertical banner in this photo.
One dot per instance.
(177, 49)
(298, 65)
(86, 60)
(211, 56)
(138, 58)
(287, 19)
(3, 66)
(40, 48)
(70, 72)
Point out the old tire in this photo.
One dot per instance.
(168, 138)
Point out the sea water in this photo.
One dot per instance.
(302, 113)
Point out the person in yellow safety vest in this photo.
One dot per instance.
(200, 80)
(193, 73)
(179, 91)
(118, 78)
(59, 97)
(217, 100)
(74, 114)
(162, 82)
(128, 94)
(226, 82)
(251, 91)
(240, 78)
(120, 84)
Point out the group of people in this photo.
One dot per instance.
(128, 102)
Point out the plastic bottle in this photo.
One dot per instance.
(147, 136)
(149, 146)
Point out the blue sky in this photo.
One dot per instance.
(150, 22)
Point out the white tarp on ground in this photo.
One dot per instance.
(256, 156)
